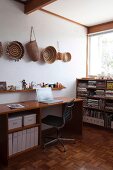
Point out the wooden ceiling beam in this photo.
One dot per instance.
(100, 27)
(33, 5)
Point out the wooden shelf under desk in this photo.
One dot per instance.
(23, 128)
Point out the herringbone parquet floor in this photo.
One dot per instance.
(93, 152)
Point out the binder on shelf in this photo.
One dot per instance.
(32, 137)
(10, 144)
(36, 136)
(23, 140)
(15, 143)
(28, 138)
(19, 141)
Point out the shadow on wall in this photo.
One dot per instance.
(18, 5)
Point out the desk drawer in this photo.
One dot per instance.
(14, 122)
(29, 119)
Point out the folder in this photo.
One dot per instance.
(32, 137)
(23, 140)
(15, 137)
(10, 144)
(28, 139)
(19, 142)
(36, 136)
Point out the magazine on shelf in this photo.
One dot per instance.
(15, 106)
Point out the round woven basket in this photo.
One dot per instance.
(66, 57)
(1, 49)
(15, 50)
(49, 54)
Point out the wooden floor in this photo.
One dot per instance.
(93, 152)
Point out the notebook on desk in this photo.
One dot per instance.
(45, 95)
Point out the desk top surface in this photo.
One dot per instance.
(29, 105)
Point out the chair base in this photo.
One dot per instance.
(59, 140)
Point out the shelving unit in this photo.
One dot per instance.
(97, 95)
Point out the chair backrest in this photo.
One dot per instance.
(67, 114)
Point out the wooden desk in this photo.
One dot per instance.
(33, 106)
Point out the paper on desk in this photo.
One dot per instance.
(15, 106)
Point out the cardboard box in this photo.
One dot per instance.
(29, 119)
(14, 122)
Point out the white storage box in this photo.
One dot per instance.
(29, 119)
(14, 122)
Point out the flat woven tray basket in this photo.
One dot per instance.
(15, 50)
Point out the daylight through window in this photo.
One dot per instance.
(101, 54)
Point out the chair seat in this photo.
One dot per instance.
(54, 121)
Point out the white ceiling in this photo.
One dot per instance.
(86, 12)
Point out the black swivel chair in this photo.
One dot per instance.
(58, 123)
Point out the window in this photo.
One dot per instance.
(101, 53)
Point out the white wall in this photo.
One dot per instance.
(15, 25)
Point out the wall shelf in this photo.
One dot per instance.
(27, 90)
(16, 91)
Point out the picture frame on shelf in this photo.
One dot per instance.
(3, 85)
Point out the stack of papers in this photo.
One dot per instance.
(15, 106)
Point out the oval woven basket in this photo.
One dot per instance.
(32, 47)
(15, 50)
(49, 54)
(66, 57)
(1, 49)
(59, 56)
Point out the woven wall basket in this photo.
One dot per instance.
(49, 54)
(32, 47)
(66, 57)
(15, 50)
(1, 49)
